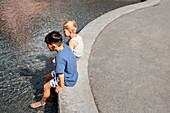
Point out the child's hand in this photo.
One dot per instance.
(53, 61)
(58, 88)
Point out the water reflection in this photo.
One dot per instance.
(24, 57)
(16, 20)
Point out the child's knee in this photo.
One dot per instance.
(47, 85)
(48, 77)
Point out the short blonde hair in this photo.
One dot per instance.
(70, 25)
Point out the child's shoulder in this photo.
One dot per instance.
(63, 52)
(78, 37)
(66, 46)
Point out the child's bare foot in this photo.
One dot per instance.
(37, 104)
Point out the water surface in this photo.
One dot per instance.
(24, 57)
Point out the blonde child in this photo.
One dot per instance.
(76, 42)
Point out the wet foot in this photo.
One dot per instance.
(37, 104)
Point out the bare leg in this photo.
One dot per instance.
(46, 94)
(48, 77)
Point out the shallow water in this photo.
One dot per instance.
(24, 57)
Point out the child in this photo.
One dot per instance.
(65, 67)
(76, 42)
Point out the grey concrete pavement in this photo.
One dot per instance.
(79, 99)
(129, 65)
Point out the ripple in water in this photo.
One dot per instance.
(24, 57)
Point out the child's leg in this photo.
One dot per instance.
(48, 77)
(47, 88)
(46, 94)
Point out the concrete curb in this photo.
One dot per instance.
(79, 98)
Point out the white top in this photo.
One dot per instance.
(78, 51)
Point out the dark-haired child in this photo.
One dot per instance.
(65, 67)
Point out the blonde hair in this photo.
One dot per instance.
(70, 25)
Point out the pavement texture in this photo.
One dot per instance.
(126, 58)
(129, 64)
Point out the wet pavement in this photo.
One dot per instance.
(24, 57)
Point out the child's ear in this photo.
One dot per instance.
(71, 32)
(54, 45)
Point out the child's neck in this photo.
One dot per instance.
(60, 48)
(73, 35)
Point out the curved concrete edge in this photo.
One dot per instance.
(79, 98)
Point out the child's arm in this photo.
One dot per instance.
(61, 78)
(73, 44)
(53, 63)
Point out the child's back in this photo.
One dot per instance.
(78, 50)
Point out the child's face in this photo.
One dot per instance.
(51, 47)
(67, 32)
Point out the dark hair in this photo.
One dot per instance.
(54, 37)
